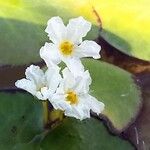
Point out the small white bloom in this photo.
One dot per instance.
(72, 96)
(40, 84)
(67, 43)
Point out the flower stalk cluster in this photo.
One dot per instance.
(67, 89)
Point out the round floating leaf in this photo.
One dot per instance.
(126, 25)
(117, 90)
(21, 119)
(22, 25)
(89, 134)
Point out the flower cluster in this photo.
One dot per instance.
(67, 89)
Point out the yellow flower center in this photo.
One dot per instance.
(72, 97)
(66, 48)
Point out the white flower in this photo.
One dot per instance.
(40, 84)
(67, 44)
(72, 96)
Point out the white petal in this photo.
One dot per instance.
(79, 82)
(56, 29)
(73, 113)
(66, 72)
(45, 93)
(88, 49)
(77, 28)
(77, 112)
(40, 96)
(58, 102)
(83, 82)
(30, 87)
(74, 65)
(61, 89)
(36, 75)
(26, 85)
(68, 82)
(95, 105)
(49, 53)
(53, 79)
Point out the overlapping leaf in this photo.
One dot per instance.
(21, 119)
(116, 88)
(89, 134)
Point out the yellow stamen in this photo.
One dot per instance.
(66, 48)
(72, 97)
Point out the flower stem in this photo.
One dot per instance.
(46, 112)
(56, 115)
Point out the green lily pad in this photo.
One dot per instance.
(126, 25)
(22, 25)
(26, 147)
(89, 134)
(116, 88)
(21, 119)
(34, 144)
